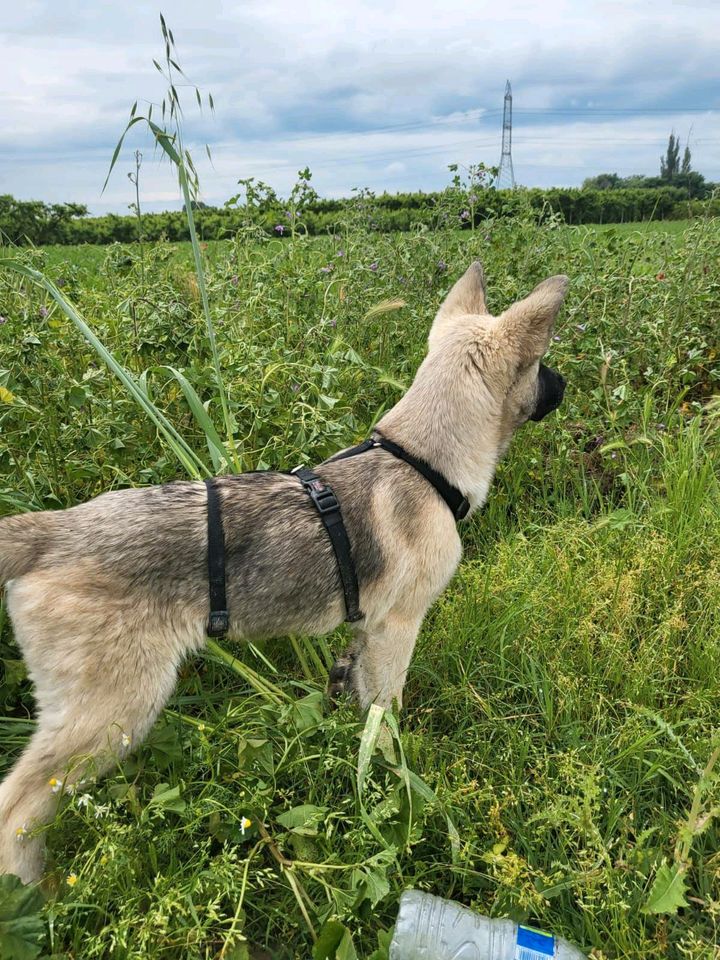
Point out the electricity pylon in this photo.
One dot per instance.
(506, 176)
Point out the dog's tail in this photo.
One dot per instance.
(23, 539)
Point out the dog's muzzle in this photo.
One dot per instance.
(551, 388)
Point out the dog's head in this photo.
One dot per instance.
(506, 351)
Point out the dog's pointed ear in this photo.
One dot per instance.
(467, 296)
(526, 326)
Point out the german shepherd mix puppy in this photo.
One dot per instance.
(108, 597)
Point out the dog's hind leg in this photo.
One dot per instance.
(375, 666)
(98, 694)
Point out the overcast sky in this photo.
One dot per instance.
(366, 93)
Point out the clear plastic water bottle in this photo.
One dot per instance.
(430, 928)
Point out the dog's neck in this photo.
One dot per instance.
(449, 421)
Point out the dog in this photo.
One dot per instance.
(107, 598)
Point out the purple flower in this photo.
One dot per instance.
(465, 215)
(333, 323)
(374, 266)
(557, 339)
(234, 279)
(442, 266)
(279, 228)
(288, 216)
(295, 387)
(328, 269)
(340, 253)
(43, 311)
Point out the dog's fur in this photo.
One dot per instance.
(108, 597)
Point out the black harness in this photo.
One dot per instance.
(328, 507)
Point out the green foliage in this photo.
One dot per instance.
(22, 927)
(563, 698)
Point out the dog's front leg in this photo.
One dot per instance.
(373, 670)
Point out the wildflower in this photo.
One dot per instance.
(234, 279)
(333, 323)
(61, 282)
(125, 740)
(660, 276)
(374, 266)
(442, 266)
(581, 327)
(245, 824)
(295, 387)
(71, 879)
(279, 228)
(20, 833)
(101, 810)
(3, 320)
(84, 800)
(465, 215)
(43, 311)
(557, 339)
(55, 784)
(340, 253)
(328, 269)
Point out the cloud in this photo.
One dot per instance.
(366, 93)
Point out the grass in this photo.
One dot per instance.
(562, 704)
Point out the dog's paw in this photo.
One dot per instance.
(340, 678)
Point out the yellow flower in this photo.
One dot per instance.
(55, 784)
(244, 825)
(20, 833)
(71, 879)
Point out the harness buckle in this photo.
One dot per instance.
(218, 623)
(323, 498)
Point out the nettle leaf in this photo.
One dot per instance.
(303, 819)
(668, 890)
(384, 941)
(308, 712)
(22, 927)
(334, 943)
(167, 798)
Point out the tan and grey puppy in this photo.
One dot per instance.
(107, 598)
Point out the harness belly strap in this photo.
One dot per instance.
(218, 621)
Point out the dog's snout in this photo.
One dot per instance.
(551, 390)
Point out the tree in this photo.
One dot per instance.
(686, 161)
(603, 181)
(670, 163)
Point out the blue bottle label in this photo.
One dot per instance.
(534, 944)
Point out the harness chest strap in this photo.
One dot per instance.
(327, 505)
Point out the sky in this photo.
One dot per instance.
(366, 93)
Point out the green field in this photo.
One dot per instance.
(557, 757)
